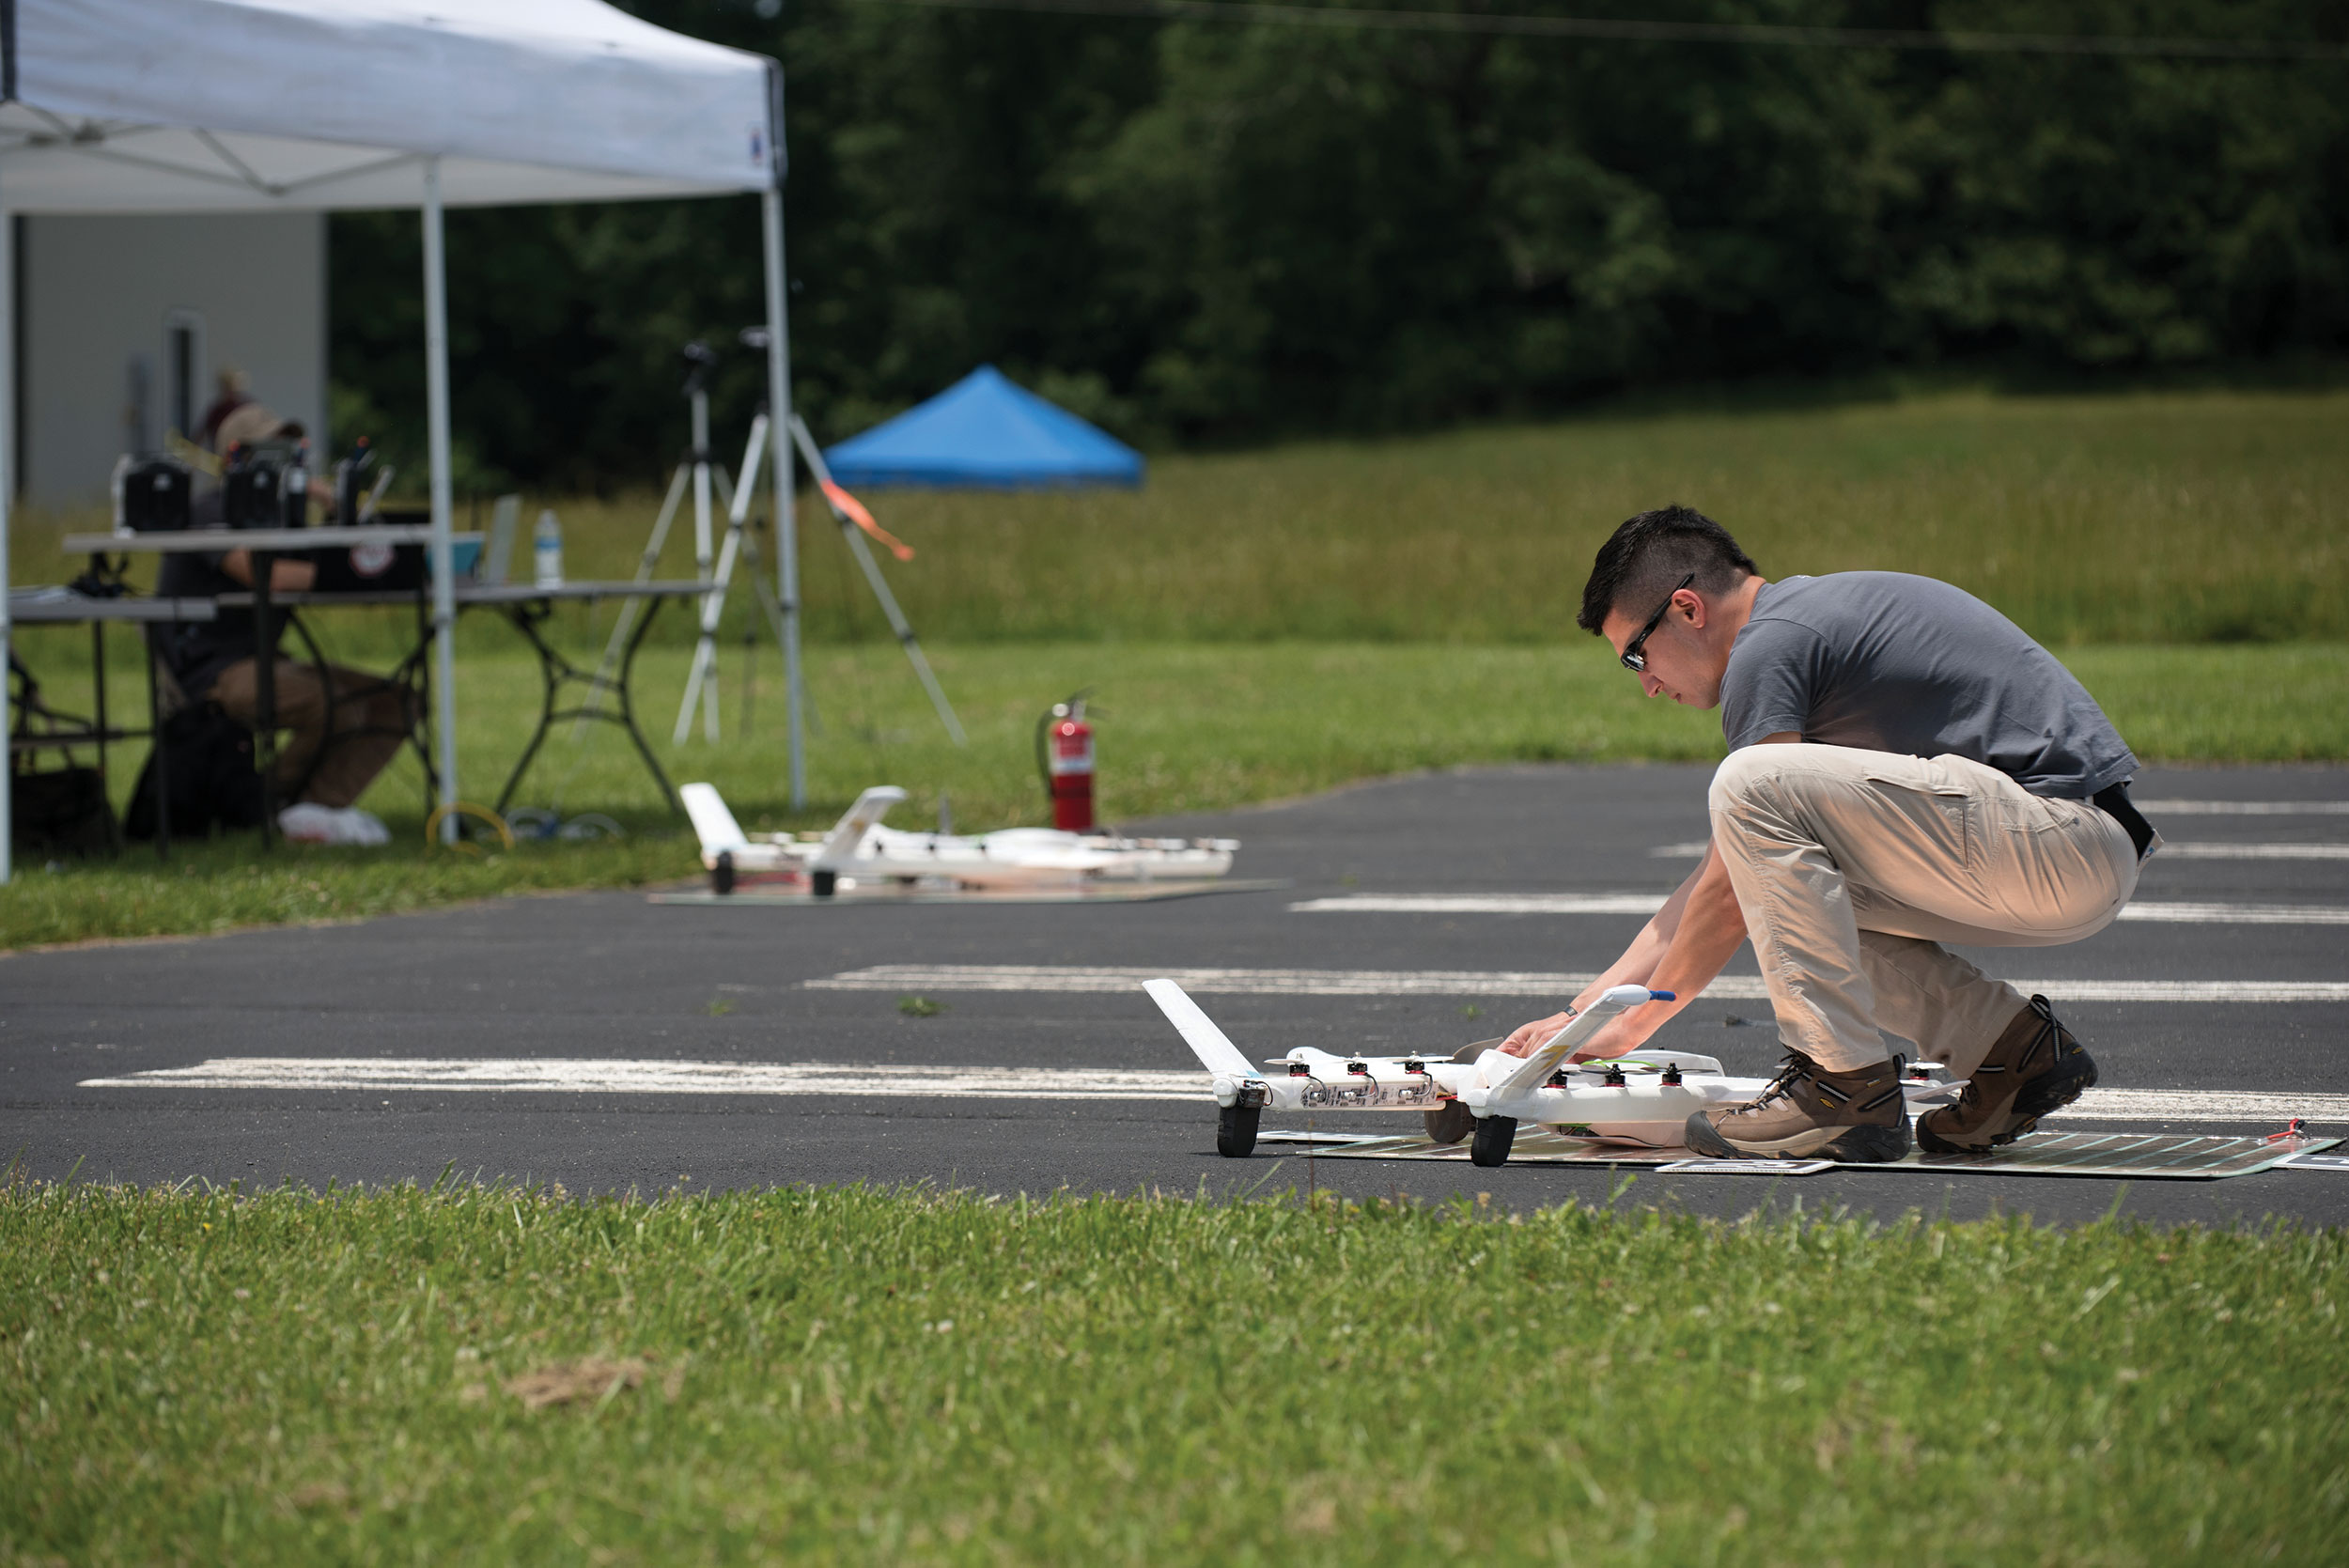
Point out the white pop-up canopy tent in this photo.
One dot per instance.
(272, 106)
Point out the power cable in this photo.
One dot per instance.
(1614, 30)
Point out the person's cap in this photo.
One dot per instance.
(250, 424)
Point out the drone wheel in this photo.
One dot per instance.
(1451, 1123)
(1494, 1135)
(1236, 1130)
(721, 874)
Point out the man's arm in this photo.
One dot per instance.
(1649, 952)
(284, 577)
(1710, 929)
(1686, 944)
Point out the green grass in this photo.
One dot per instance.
(1183, 728)
(2144, 518)
(491, 1376)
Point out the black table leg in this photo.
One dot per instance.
(158, 758)
(98, 668)
(628, 706)
(553, 669)
(555, 672)
(265, 695)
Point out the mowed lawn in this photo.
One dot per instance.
(1260, 626)
(2128, 518)
(491, 1376)
(2136, 518)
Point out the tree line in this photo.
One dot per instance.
(1197, 231)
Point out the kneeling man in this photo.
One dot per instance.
(1906, 769)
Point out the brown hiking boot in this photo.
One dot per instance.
(2035, 1067)
(1810, 1113)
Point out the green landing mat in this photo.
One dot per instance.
(892, 892)
(2134, 1155)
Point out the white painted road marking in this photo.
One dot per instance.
(2205, 1105)
(595, 1075)
(2246, 808)
(2252, 852)
(1063, 979)
(894, 1081)
(1073, 978)
(1694, 850)
(1486, 904)
(2239, 914)
(1648, 903)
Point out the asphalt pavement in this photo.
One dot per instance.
(613, 990)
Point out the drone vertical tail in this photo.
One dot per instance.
(1209, 1044)
(840, 844)
(712, 823)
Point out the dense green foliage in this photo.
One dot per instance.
(487, 1375)
(1202, 231)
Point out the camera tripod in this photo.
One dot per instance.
(698, 470)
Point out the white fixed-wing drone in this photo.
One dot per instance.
(1645, 1098)
(859, 851)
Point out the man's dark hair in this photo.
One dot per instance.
(1641, 562)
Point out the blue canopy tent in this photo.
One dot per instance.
(983, 431)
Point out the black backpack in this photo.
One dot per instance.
(63, 811)
(213, 783)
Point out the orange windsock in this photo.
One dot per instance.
(849, 506)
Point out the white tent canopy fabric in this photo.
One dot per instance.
(177, 105)
(273, 105)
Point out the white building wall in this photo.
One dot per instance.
(101, 295)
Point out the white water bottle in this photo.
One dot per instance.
(546, 544)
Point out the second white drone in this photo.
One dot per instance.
(858, 849)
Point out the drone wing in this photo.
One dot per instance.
(1209, 1044)
(1535, 1070)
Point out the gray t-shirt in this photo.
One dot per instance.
(1889, 662)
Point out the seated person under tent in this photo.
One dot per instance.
(346, 724)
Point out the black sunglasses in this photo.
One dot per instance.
(1634, 652)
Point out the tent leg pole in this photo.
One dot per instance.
(437, 446)
(702, 564)
(7, 496)
(786, 520)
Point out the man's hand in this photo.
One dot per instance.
(1528, 1038)
(1680, 950)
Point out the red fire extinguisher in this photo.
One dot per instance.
(1064, 755)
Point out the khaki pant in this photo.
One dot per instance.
(1852, 867)
(370, 725)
